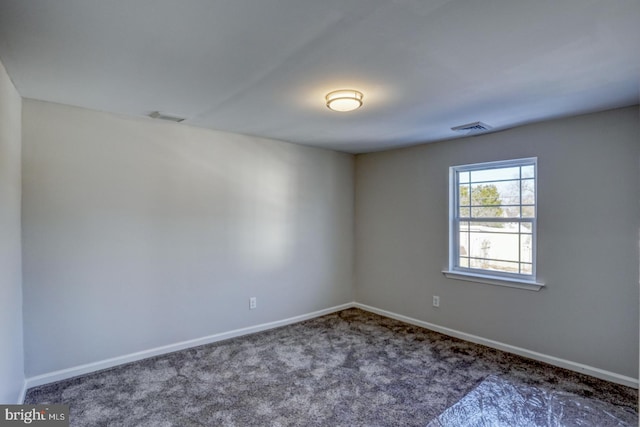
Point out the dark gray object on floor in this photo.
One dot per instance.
(351, 368)
(498, 403)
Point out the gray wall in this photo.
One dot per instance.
(11, 354)
(587, 239)
(140, 233)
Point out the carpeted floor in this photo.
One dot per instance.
(351, 368)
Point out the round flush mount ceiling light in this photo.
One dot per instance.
(344, 100)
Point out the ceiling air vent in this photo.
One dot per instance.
(471, 128)
(160, 116)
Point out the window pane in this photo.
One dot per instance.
(464, 244)
(496, 246)
(526, 269)
(464, 196)
(528, 171)
(528, 192)
(495, 174)
(485, 194)
(526, 227)
(528, 212)
(464, 262)
(463, 177)
(502, 266)
(495, 227)
(487, 198)
(487, 212)
(526, 248)
(511, 211)
(509, 192)
(494, 194)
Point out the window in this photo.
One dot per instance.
(492, 229)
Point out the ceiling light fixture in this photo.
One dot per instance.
(344, 100)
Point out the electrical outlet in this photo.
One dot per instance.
(253, 303)
(436, 301)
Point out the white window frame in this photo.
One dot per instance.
(455, 271)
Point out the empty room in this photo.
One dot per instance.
(319, 213)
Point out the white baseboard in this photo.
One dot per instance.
(552, 360)
(75, 371)
(23, 393)
(109, 363)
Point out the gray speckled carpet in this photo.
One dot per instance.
(351, 368)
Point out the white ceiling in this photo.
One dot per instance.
(263, 67)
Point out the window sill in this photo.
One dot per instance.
(493, 280)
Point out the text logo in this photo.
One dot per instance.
(34, 415)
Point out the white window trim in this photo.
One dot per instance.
(494, 280)
(499, 279)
